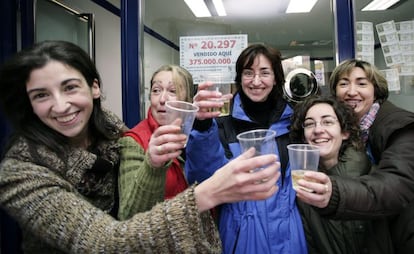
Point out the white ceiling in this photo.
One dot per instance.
(263, 21)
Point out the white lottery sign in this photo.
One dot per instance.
(216, 53)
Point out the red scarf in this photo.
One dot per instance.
(175, 181)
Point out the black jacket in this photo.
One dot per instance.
(390, 188)
(324, 235)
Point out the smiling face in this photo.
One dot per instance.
(329, 137)
(356, 90)
(62, 99)
(258, 80)
(163, 89)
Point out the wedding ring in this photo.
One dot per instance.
(326, 188)
(160, 149)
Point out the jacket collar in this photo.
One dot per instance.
(281, 126)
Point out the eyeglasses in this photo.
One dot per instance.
(325, 122)
(249, 74)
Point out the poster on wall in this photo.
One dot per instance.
(405, 30)
(390, 43)
(393, 79)
(365, 41)
(201, 55)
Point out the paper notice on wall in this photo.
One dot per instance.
(405, 30)
(407, 70)
(216, 53)
(387, 34)
(393, 79)
(320, 72)
(365, 41)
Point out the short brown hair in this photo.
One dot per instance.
(373, 75)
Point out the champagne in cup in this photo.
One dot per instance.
(222, 83)
(302, 158)
(262, 140)
(185, 111)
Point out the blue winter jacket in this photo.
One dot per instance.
(269, 226)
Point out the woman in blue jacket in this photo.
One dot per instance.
(272, 225)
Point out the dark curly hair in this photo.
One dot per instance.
(344, 113)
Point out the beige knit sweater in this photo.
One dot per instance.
(61, 212)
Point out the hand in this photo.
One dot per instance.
(165, 144)
(238, 181)
(206, 100)
(321, 185)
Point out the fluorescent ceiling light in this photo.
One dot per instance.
(300, 6)
(198, 7)
(378, 5)
(218, 4)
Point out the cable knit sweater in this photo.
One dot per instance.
(63, 206)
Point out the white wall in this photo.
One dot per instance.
(156, 54)
(107, 50)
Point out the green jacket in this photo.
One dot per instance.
(325, 235)
(140, 186)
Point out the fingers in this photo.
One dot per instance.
(202, 115)
(238, 180)
(176, 122)
(160, 149)
(257, 174)
(203, 86)
(258, 185)
(317, 182)
(246, 154)
(256, 162)
(209, 102)
(322, 191)
(314, 199)
(208, 109)
(167, 148)
(204, 94)
(165, 144)
(174, 127)
(161, 154)
(168, 133)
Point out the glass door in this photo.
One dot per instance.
(304, 39)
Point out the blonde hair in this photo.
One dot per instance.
(182, 79)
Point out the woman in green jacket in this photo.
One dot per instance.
(387, 193)
(333, 127)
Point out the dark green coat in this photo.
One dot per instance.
(324, 235)
(388, 190)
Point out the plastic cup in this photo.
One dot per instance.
(221, 83)
(185, 111)
(302, 158)
(262, 140)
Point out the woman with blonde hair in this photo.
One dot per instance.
(154, 145)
